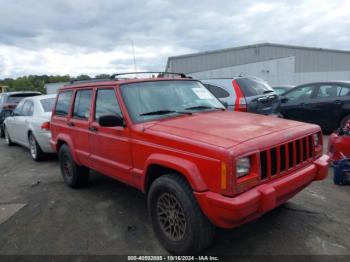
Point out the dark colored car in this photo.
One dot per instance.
(281, 89)
(324, 103)
(8, 102)
(246, 94)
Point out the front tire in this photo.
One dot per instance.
(74, 176)
(177, 220)
(7, 137)
(35, 150)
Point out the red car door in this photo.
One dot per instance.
(110, 146)
(80, 123)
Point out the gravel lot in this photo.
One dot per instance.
(40, 215)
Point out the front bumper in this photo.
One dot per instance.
(229, 212)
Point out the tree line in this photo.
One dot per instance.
(37, 82)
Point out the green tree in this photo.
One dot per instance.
(82, 77)
(22, 84)
(103, 76)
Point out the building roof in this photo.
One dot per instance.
(307, 59)
(260, 45)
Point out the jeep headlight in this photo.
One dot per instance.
(242, 167)
(316, 139)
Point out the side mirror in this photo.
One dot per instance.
(284, 100)
(111, 121)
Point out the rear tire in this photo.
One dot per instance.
(74, 176)
(177, 220)
(2, 133)
(7, 137)
(35, 150)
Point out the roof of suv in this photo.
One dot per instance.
(104, 82)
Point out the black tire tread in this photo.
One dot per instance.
(2, 134)
(205, 230)
(80, 173)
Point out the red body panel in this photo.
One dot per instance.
(196, 146)
(229, 212)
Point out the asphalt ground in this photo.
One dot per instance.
(40, 215)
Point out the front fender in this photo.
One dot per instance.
(185, 167)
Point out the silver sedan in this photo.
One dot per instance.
(29, 125)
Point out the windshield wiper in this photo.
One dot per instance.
(164, 112)
(268, 91)
(203, 107)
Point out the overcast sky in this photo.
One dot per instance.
(90, 36)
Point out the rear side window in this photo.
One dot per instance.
(82, 104)
(106, 103)
(47, 104)
(328, 91)
(63, 102)
(217, 91)
(254, 87)
(345, 91)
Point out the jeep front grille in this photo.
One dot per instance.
(279, 159)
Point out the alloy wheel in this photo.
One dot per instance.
(7, 137)
(171, 217)
(33, 148)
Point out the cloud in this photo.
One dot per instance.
(79, 36)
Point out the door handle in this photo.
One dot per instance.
(338, 102)
(70, 124)
(93, 128)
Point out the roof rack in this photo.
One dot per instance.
(116, 76)
(89, 80)
(160, 74)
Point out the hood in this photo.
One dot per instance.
(223, 129)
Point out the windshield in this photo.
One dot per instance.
(148, 101)
(254, 86)
(280, 90)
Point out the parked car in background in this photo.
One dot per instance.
(200, 165)
(324, 103)
(8, 102)
(246, 94)
(29, 125)
(281, 89)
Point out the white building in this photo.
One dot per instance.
(277, 64)
(52, 88)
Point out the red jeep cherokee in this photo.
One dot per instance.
(199, 164)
